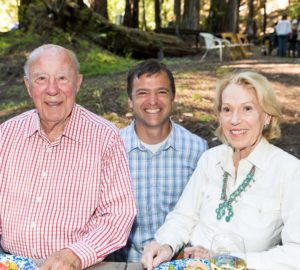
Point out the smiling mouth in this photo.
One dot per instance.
(238, 132)
(153, 110)
(53, 103)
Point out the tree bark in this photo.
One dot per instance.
(157, 8)
(131, 18)
(216, 16)
(177, 14)
(232, 17)
(100, 7)
(191, 14)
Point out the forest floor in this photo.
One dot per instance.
(195, 81)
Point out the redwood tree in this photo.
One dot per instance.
(131, 18)
(100, 6)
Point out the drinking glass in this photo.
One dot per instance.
(227, 252)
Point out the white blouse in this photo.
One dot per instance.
(266, 215)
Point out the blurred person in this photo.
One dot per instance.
(293, 38)
(246, 186)
(298, 40)
(162, 154)
(283, 31)
(65, 187)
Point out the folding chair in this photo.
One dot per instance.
(212, 43)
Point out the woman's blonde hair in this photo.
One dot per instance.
(266, 99)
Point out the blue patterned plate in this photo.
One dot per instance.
(22, 262)
(179, 264)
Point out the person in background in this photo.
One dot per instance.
(65, 187)
(246, 186)
(162, 154)
(293, 38)
(283, 30)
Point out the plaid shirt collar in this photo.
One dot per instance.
(135, 143)
(71, 130)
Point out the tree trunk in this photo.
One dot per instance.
(191, 14)
(232, 17)
(157, 9)
(216, 16)
(177, 14)
(100, 7)
(144, 22)
(23, 19)
(251, 27)
(131, 18)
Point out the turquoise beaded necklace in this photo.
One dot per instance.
(227, 204)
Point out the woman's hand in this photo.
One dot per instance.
(154, 254)
(196, 252)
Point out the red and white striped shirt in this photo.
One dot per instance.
(72, 193)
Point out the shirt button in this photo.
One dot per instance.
(44, 174)
(33, 251)
(38, 199)
(33, 224)
(49, 150)
(259, 211)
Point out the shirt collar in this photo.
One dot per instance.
(72, 129)
(257, 157)
(136, 143)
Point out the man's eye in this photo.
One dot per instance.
(163, 92)
(62, 79)
(41, 79)
(141, 93)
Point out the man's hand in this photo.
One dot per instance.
(64, 259)
(154, 254)
(196, 252)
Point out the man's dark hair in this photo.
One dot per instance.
(284, 16)
(149, 67)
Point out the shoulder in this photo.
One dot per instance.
(282, 158)
(187, 136)
(19, 121)
(96, 121)
(215, 154)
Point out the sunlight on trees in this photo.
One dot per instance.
(8, 15)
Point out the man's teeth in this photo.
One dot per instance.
(152, 110)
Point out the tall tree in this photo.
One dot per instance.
(251, 26)
(191, 14)
(100, 6)
(23, 19)
(131, 18)
(231, 23)
(177, 14)
(216, 16)
(157, 9)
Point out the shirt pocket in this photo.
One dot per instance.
(264, 213)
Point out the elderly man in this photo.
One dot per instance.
(162, 154)
(65, 187)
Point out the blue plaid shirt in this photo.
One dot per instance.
(158, 181)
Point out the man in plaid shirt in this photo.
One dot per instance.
(65, 187)
(162, 154)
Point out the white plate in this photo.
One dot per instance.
(179, 264)
(22, 262)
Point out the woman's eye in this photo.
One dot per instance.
(225, 109)
(248, 108)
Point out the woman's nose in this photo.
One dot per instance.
(235, 118)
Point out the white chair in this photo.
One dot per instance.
(212, 43)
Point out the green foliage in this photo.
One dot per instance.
(122, 99)
(223, 70)
(98, 61)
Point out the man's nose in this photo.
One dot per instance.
(53, 88)
(153, 98)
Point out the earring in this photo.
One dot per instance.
(266, 126)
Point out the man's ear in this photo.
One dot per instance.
(79, 81)
(130, 104)
(27, 84)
